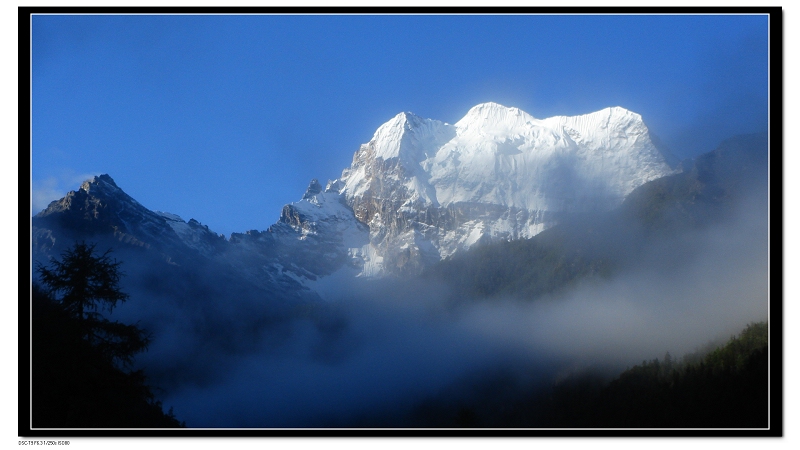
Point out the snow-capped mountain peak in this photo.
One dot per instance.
(409, 137)
(419, 191)
(415, 171)
(495, 118)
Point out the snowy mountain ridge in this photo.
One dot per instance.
(465, 162)
(427, 189)
(419, 191)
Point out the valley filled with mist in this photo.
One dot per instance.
(494, 336)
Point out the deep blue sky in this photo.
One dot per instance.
(226, 118)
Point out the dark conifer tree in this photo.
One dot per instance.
(81, 375)
(86, 284)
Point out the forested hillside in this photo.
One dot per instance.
(724, 386)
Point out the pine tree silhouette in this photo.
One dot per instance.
(81, 368)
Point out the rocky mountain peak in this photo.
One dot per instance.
(313, 189)
(100, 184)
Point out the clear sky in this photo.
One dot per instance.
(225, 119)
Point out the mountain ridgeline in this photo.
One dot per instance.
(498, 207)
(418, 192)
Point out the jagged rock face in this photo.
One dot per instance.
(154, 244)
(195, 235)
(427, 189)
(312, 238)
(99, 207)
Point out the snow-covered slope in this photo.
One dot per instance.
(505, 156)
(313, 238)
(427, 189)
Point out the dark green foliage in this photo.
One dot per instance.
(80, 366)
(728, 388)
